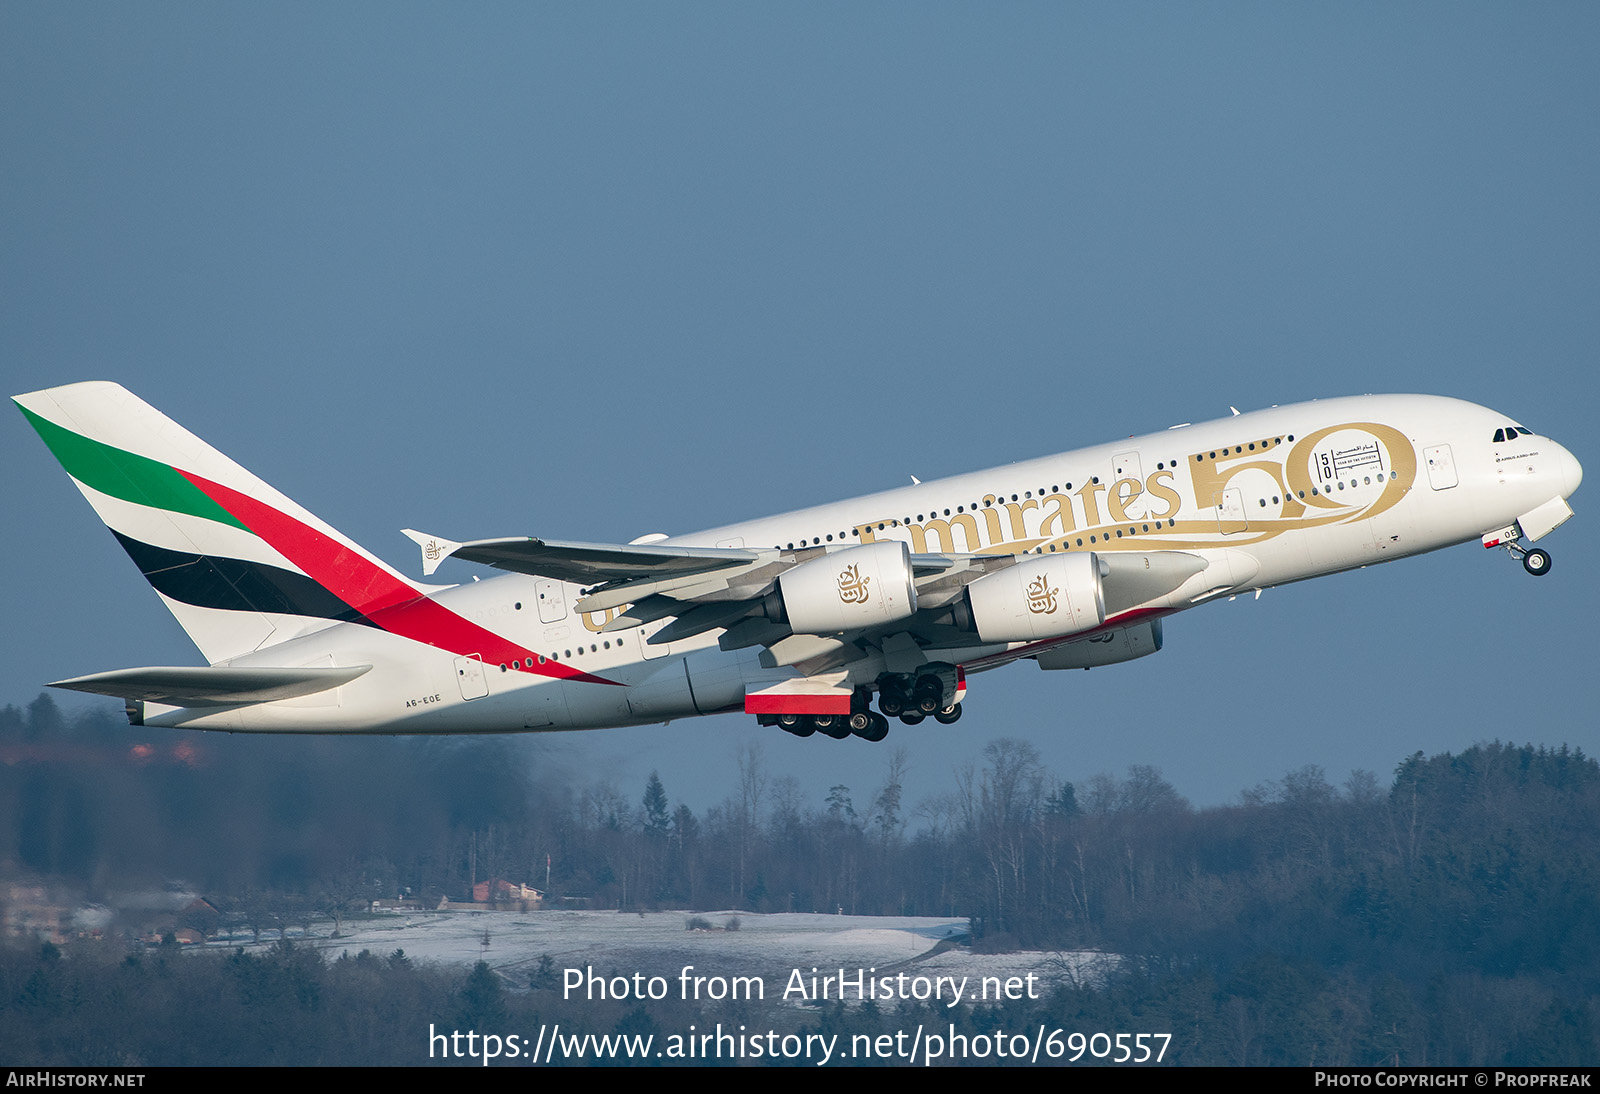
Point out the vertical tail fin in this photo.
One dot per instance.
(237, 563)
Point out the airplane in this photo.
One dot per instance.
(806, 620)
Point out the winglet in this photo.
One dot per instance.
(435, 549)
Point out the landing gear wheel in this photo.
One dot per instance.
(877, 729)
(837, 728)
(1537, 562)
(797, 724)
(930, 695)
(949, 715)
(912, 717)
(891, 703)
(859, 721)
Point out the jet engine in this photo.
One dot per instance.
(1111, 648)
(864, 586)
(1043, 596)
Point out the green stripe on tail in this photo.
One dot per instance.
(125, 475)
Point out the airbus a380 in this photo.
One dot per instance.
(805, 620)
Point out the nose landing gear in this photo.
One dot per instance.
(1536, 560)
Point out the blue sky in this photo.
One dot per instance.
(592, 271)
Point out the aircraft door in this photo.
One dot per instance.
(1230, 511)
(552, 602)
(470, 675)
(1126, 466)
(1441, 467)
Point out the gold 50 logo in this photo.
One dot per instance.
(1344, 472)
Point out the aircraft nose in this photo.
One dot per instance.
(1570, 471)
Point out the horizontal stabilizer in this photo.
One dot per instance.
(184, 686)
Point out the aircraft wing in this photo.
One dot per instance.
(700, 589)
(594, 563)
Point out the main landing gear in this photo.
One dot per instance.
(861, 723)
(911, 699)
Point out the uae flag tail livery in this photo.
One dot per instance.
(239, 565)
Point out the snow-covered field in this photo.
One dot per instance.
(659, 944)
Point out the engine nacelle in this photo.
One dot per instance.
(864, 586)
(1105, 649)
(1044, 596)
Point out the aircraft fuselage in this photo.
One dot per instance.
(1261, 498)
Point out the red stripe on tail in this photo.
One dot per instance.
(388, 601)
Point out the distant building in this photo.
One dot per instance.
(33, 911)
(498, 894)
(398, 904)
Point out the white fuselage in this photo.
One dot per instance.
(1265, 498)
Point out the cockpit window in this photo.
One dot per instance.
(1499, 436)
